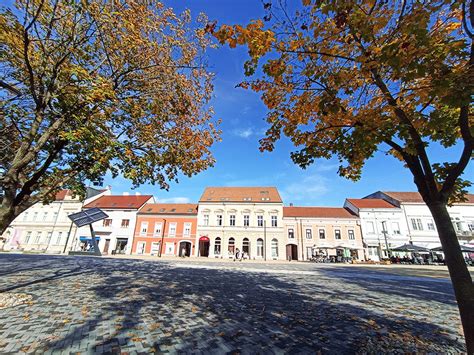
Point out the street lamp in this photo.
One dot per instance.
(162, 236)
(384, 231)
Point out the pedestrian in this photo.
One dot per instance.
(237, 254)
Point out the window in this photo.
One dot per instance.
(260, 220)
(125, 223)
(38, 237)
(337, 234)
(25, 216)
(274, 221)
(158, 229)
(274, 248)
(219, 220)
(206, 219)
(143, 228)
(431, 225)
(395, 228)
(350, 234)
(416, 224)
(48, 237)
(27, 238)
(246, 246)
(217, 246)
(35, 216)
(55, 216)
(309, 233)
(370, 227)
(322, 234)
(260, 247)
(232, 220)
(187, 229)
(246, 220)
(45, 216)
(470, 226)
(172, 230)
(291, 233)
(107, 222)
(58, 239)
(231, 248)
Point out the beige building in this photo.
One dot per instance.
(45, 228)
(248, 219)
(329, 230)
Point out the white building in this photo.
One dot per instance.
(45, 228)
(420, 224)
(246, 218)
(383, 225)
(115, 233)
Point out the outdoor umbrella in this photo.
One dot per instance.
(464, 249)
(410, 248)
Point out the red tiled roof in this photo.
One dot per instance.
(241, 194)
(120, 202)
(321, 212)
(416, 197)
(370, 203)
(61, 195)
(169, 208)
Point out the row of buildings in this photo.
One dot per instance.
(225, 220)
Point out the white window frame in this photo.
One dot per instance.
(158, 229)
(246, 220)
(143, 228)
(291, 235)
(219, 220)
(309, 233)
(172, 229)
(206, 219)
(187, 229)
(351, 234)
(259, 220)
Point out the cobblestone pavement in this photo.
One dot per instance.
(100, 305)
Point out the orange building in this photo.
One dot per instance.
(165, 229)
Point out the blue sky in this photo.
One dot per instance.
(239, 162)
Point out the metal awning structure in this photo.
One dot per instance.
(88, 216)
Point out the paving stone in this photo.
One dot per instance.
(106, 305)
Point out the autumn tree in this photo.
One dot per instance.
(94, 86)
(350, 78)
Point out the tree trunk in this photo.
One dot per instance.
(7, 216)
(460, 277)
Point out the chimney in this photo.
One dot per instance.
(137, 193)
(291, 204)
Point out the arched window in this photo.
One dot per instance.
(246, 246)
(217, 246)
(260, 247)
(274, 248)
(231, 248)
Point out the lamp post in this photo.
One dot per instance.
(162, 236)
(384, 231)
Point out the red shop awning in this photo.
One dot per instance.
(204, 239)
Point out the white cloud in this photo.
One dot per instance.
(243, 133)
(174, 200)
(308, 188)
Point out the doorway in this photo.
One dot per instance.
(185, 249)
(204, 246)
(141, 247)
(121, 246)
(106, 246)
(291, 252)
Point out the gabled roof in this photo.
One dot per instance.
(169, 208)
(317, 212)
(61, 195)
(370, 203)
(241, 194)
(415, 197)
(133, 202)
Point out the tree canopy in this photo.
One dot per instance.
(94, 86)
(345, 77)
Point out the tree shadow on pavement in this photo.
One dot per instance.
(137, 306)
